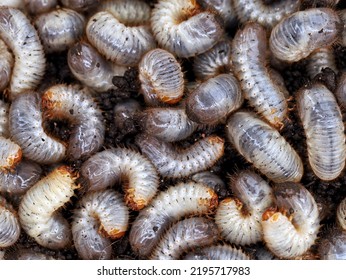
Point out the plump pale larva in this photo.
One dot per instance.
(108, 167)
(340, 91)
(324, 130)
(224, 8)
(27, 131)
(6, 64)
(91, 68)
(161, 77)
(217, 252)
(22, 39)
(319, 60)
(290, 231)
(4, 108)
(10, 154)
(239, 218)
(299, 34)
(267, 15)
(333, 246)
(9, 224)
(212, 101)
(183, 199)
(263, 91)
(172, 162)
(40, 6)
(341, 214)
(80, 5)
(75, 104)
(121, 32)
(167, 124)
(264, 147)
(59, 29)
(213, 62)
(212, 181)
(184, 236)
(180, 27)
(100, 216)
(38, 209)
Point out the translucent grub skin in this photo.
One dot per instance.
(319, 60)
(40, 6)
(9, 224)
(217, 252)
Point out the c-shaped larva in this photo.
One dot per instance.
(217, 252)
(212, 101)
(264, 147)
(27, 131)
(161, 77)
(333, 246)
(110, 166)
(262, 89)
(183, 199)
(100, 216)
(77, 106)
(6, 64)
(340, 92)
(184, 236)
(121, 32)
(172, 162)
(40, 6)
(290, 231)
(22, 39)
(341, 214)
(299, 34)
(182, 28)
(324, 130)
(239, 218)
(9, 224)
(38, 209)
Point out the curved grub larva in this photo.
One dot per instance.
(183, 29)
(324, 130)
(25, 122)
(121, 32)
(9, 224)
(38, 209)
(341, 214)
(4, 108)
(217, 252)
(10, 154)
(264, 93)
(212, 181)
(319, 60)
(266, 15)
(6, 65)
(224, 8)
(214, 100)
(22, 39)
(172, 162)
(264, 147)
(78, 107)
(239, 218)
(299, 34)
(333, 246)
(59, 29)
(100, 216)
(40, 6)
(340, 91)
(80, 5)
(183, 199)
(185, 236)
(23, 177)
(91, 68)
(290, 232)
(161, 77)
(213, 62)
(110, 166)
(167, 124)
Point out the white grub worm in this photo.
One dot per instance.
(19, 180)
(9, 224)
(183, 28)
(25, 123)
(239, 218)
(75, 104)
(100, 216)
(10, 154)
(213, 62)
(4, 108)
(299, 34)
(108, 167)
(59, 29)
(167, 124)
(224, 8)
(320, 59)
(40, 6)
(266, 15)
(162, 80)
(333, 246)
(292, 230)
(213, 101)
(172, 162)
(265, 94)
(22, 39)
(324, 130)
(39, 209)
(217, 252)
(80, 5)
(6, 64)
(264, 147)
(212, 181)
(340, 91)
(121, 31)
(91, 68)
(184, 236)
(183, 199)
(341, 214)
